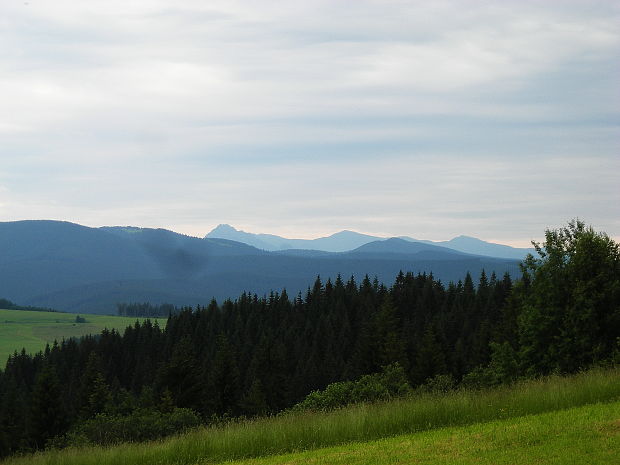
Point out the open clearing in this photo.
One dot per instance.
(32, 330)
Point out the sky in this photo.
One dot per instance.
(301, 118)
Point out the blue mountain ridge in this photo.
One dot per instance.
(89, 270)
(348, 240)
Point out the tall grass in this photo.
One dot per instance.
(357, 423)
(582, 435)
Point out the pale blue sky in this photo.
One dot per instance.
(427, 119)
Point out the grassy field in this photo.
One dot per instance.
(32, 330)
(507, 406)
(586, 435)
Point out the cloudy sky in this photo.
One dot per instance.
(302, 118)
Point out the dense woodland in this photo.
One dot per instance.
(145, 309)
(8, 305)
(262, 355)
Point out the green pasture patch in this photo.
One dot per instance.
(32, 330)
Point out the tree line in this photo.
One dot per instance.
(145, 310)
(6, 304)
(261, 355)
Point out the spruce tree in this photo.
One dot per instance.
(47, 417)
(224, 380)
(181, 376)
(95, 393)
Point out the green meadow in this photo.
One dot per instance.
(555, 420)
(583, 435)
(32, 330)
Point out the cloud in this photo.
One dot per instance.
(261, 114)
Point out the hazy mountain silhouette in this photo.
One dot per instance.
(75, 268)
(476, 246)
(344, 241)
(339, 242)
(397, 246)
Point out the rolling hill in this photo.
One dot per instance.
(80, 269)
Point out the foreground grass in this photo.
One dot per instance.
(32, 330)
(586, 435)
(278, 435)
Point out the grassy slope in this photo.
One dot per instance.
(289, 433)
(32, 330)
(584, 435)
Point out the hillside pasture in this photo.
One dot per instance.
(578, 436)
(32, 330)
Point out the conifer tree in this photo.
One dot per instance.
(430, 357)
(253, 401)
(390, 344)
(181, 376)
(95, 392)
(224, 386)
(47, 417)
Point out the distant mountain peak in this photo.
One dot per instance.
(224, 231)
(347, 232)
(463, 237)
(224, 227)
(347, 240)
(396, 240)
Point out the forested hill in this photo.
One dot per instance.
(261, 355)
(89, 270)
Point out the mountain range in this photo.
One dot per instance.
(89, 270)
(348, 240)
